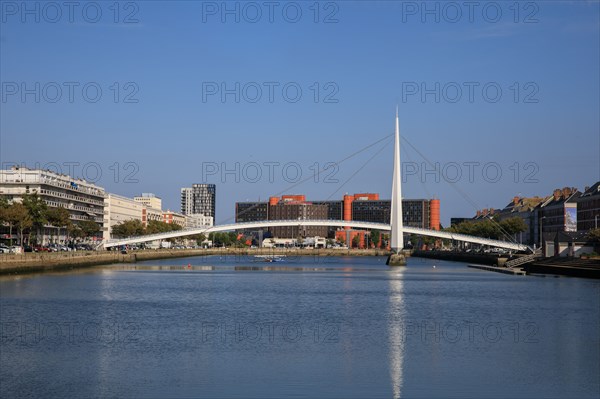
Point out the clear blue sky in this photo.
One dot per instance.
(372, 57)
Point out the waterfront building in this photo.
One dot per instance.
(588, 208)
(83, 200)
(251, 211)
(199, 199)
(151, 214)
(152, 210)
(149, 200)
(294, 208)
(198, 221)
(118, 209)
(557, 213)
(366, 207)
(420, 213)
(174, 217)
(524, 208)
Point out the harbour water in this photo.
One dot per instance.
(304, 327)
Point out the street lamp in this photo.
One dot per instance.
(596, 218)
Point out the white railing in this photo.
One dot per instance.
(303, 222)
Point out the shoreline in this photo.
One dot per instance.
(557, 266)
(41, 262)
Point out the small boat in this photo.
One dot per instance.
(270, 258)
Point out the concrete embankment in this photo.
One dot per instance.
(588, 268)
(481, 259)
(37, 262)
(505, 270)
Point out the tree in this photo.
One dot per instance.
(19, 217)
(199, 238)
(232, 237)
(513, 226)
(4, 205)
(355, 241)
(59, 218)
(385, 240)
(75, 231)
(37, 209)
(594, 235)
(89, 228)
(155, 227)
(375, 237)
(481, 228)
(4, 215)
(128, 228)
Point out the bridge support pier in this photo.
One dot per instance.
(396, 259)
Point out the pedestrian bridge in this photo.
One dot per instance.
(329, 223)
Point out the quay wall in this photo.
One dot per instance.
(37, 262)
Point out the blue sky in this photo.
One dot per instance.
(542, 133)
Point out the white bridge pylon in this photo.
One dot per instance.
(303, 222)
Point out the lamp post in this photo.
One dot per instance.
(596, 218)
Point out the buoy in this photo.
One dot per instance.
(189, 266)
(434, 266)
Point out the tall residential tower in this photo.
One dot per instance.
(199, 199)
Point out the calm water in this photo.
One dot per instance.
(343, 327)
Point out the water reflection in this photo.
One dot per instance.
(190, 267)
(396, 331)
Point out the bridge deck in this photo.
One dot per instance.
(329, 223)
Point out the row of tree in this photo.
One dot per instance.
(29, 217)
(134, 227)
(226, 239)
(130, 228)
(491, 228)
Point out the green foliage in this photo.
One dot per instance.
(89, 228)
(37, 208)
(58, 217)
(199, 238)
(134, 227)
(594, 235)
(355, 241)
(155, 226)
(223, 239)
(128, 228)
(219, 239)
(4, 205)
(75, 231)
(513, 225)
(18, 216)
(487, 228)
(375, 237)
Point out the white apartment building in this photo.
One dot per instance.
(83, 200)
(118, 209)
(198, 221)
(149, 200)
(152, 207)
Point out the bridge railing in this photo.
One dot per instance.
(301, 222)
